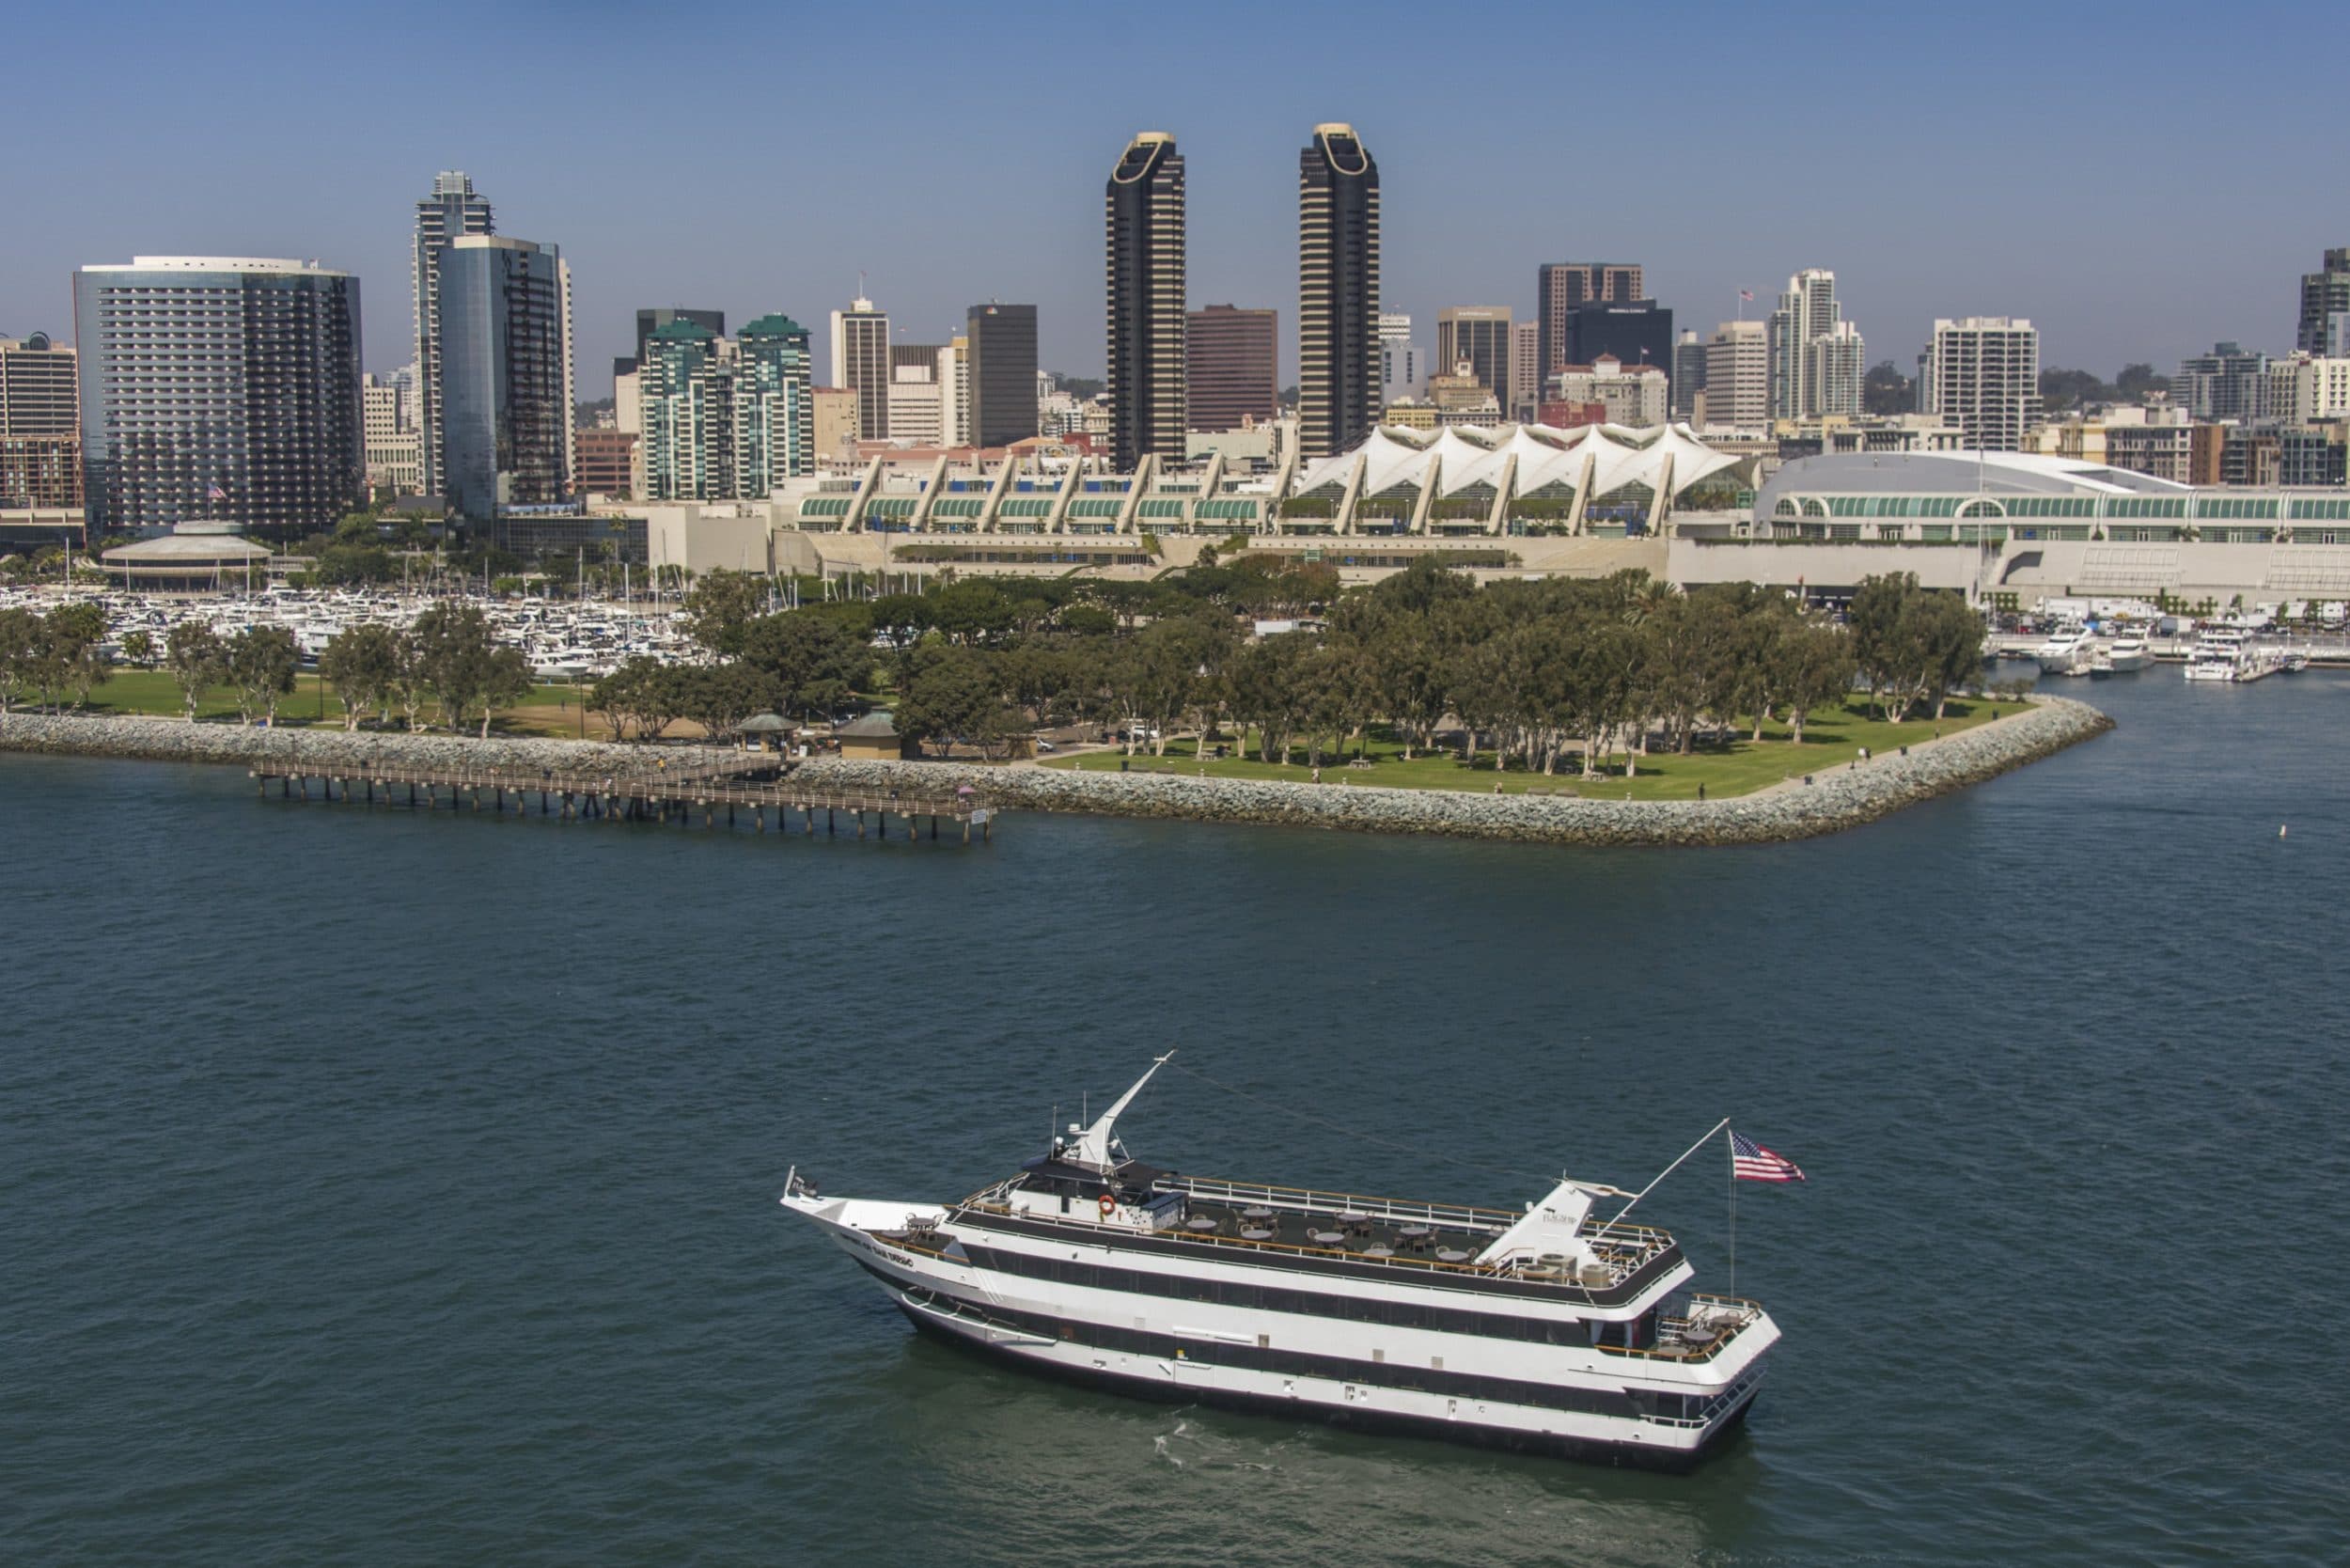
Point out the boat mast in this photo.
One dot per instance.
(1093, 1144)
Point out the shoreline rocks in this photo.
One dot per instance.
(1843, 797)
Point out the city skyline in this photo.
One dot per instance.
(1880, 215)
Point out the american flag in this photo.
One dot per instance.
(213, 493)
(1750, 1162)
(1746, 294)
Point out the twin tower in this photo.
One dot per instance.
(1337, 297)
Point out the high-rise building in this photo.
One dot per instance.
(1526, 369)
(1688, 375)
(1983, 374)
(451, 211)
(649, 321)
(1144, 223)
(1478, 336)
(1234, 378)
(1002, 340)
(1561, 286)
(505, 376)
(954, 391)
(219, 387)
(2322, 294)
(2229, 382)
(1808, 314)
(607, 463)
(917, 404)
(1634, 332)
(1836, 366)
(2304, 388)
(860, 362)
(1337, 292)
(1738, 377)
(726, 418)
(1402, 363)
(39, 390)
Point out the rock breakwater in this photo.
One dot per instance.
(1839, 798)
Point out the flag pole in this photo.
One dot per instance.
(1662, 1175)
(1732, 1150)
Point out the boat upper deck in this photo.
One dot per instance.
(1261, 1222)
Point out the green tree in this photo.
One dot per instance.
(138, 646)
(1885, 390)
(951, 692)
(365, 663)
(642, 694)
(260, 661)
(1815, 670)
(456, 658)
(720, 608)
(813, 663)
(2139, 380)
(720, 696)
(198, 658)
(20, 653)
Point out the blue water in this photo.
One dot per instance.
(393, 1187)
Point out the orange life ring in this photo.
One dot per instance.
(1109, 1205)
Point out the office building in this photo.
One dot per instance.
(836, 422)
(1633, 395)
(452, 211)
(505, 376)
(2229, 382)
(1561, 287)
(219, 387)
(1525, 372)
(608, 463)
(860, 363)
(1144, 222)
(728, 419)
(1337, 292)
(918, 407)
(2323, 293)
(1402, 363)
(1001, 341)
(2312, 455)
(1233, 376)
(1478, 336)
(1636, 332)
(1983, 374)
(1463, 398)
(1738, 377)
(1816, 357)
(39, 389)
(395, 445)
(650, 322)
(1688, 375)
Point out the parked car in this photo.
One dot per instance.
(1043, 744)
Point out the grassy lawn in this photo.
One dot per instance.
(1829, 741)
(548, 710)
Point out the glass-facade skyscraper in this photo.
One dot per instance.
(1147, 299)
(1337, 292)
(504, 308)
(451, 211)
(220, 388)
(1000, 340)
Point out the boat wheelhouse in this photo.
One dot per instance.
(1545, 1330)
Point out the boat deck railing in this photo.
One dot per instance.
(1456, 1217)
(1701, 1334)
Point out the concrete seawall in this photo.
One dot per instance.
(1843, 797)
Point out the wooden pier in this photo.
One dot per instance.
(654, 794)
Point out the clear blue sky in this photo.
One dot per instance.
(2139, 180)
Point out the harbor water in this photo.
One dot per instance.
(382, 1186)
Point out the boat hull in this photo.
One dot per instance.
(1036, 1357)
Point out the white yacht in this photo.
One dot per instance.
(2226, 654)
(1545, 1330)
(2121, 655)
(2067, 652)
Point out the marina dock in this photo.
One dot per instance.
(752, 783)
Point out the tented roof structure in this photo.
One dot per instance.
(1469, 458)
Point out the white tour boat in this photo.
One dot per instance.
(1547, 1330)
(2226, 654)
